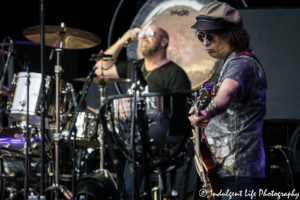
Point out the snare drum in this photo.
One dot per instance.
(166, 116)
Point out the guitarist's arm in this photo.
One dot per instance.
(228, 90)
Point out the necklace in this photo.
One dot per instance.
(143, 67)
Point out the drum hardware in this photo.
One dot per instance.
(102, 80)
(96, 185)
(3, 91)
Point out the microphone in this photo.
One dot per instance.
(140, 77)
(11, 40)
(17, 55)
(93, 71)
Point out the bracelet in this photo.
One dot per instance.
(211, 109)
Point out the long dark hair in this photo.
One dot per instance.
(236, 36)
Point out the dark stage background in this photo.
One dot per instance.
(273, 26)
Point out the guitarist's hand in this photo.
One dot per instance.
(201, 119)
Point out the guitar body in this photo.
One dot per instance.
(205, 166)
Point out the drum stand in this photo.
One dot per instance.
(28, 137)
(56, 136)
(103, 171)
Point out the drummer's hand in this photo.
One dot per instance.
(202, 120)
(130, 36)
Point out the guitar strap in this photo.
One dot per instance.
(254, 58)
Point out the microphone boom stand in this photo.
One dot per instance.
(27, 156)
(132, 137)
(74, 119)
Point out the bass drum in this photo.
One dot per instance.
(96, 186)
(166, 116)
(12, 169)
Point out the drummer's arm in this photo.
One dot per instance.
(109, 66)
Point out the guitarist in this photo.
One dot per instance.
(233, 119)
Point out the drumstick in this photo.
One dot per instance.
(91, 109)
(150, 18)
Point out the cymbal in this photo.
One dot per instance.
(6, 91)
(72, 38)
(10, 132)
(102, 80)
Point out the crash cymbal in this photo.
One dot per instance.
(100, 80)
(72, 38)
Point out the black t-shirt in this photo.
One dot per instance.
(166, 78)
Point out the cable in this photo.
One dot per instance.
(110, 38)
(112, 24)
(283, 147)
(293, 144)
(288, 163)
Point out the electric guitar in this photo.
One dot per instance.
(204, 163)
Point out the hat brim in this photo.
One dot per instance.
(207, 26)
(208, 23)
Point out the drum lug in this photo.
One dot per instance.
(56, 137)
(22, 103)
(8, 145)
(14, 83)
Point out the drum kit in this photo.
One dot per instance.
(160, 131)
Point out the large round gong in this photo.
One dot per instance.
(177, 17)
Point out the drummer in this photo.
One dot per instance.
(161, 74)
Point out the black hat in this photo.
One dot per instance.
(217, 15)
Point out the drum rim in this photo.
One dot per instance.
(151, 94)
(23, 74)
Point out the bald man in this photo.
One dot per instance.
(161, 74)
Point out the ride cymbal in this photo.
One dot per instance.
(102, 80)
(71, 38)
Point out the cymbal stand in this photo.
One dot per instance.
(101, 133)
(28, 137)
(56, 136)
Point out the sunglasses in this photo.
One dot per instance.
(149, 32)
(208, 36)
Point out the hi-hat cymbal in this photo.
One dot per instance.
(100, 80)
(70, 37)
(10, 132)
(5, 91)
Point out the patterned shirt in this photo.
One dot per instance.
(235, 135)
